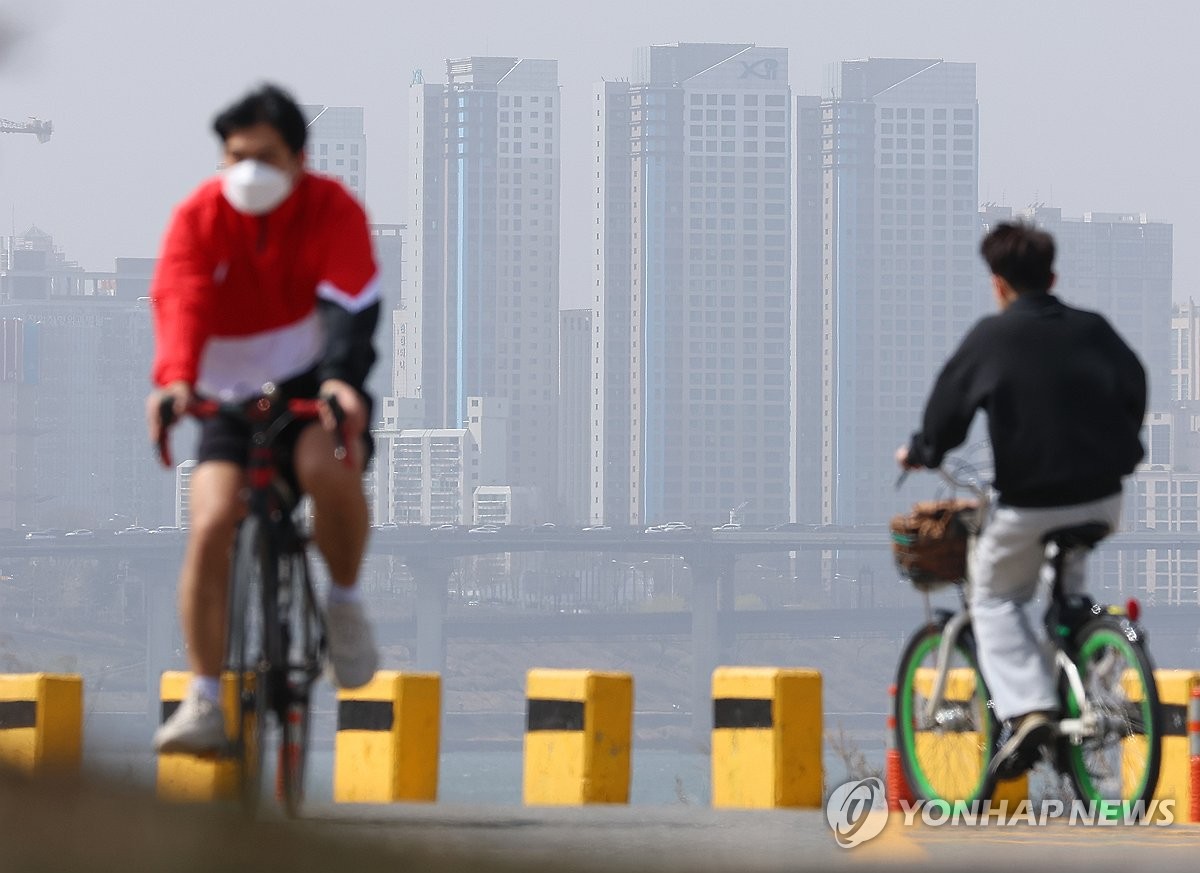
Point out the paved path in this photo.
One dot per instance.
(96, 826)
(693, 839)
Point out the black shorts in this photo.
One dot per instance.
(227, 439)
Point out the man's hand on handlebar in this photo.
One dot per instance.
(904, 462)
(354, 410)
(180, 393)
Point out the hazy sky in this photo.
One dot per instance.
(1089, 104)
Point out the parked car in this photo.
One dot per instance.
(81, 533)
(596, 527)
(132, 530)
(388, 526)
(729, 525)
(486, 528)
(41, 535)
(445, 527)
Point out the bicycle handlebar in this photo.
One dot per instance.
(950, 479)
(300, 409)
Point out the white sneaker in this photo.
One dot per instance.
(197, 727)
(352, 654)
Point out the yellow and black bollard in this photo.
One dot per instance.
(41, 722)
(579, 725)
(194, 778)
(388, 734)
(1175, 689)
(766, 739)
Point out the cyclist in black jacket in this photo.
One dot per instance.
(1065, 398)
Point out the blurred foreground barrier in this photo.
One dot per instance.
(388, 733)
(766, 739)
(951, 747)
(579, 724)
(41, 721)
(190, 778)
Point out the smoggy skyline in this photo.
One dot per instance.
(1081, 103)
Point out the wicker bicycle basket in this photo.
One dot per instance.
(929, 542)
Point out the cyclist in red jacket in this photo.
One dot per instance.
(266, 276)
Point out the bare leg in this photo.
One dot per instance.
(204, 578)
(341, 518)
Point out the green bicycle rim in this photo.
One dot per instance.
(1110, 637)
(904, 724)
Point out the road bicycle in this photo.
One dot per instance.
(1108, 741)
(275, 647)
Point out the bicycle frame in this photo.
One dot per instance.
(284, 686)
(1075, 729)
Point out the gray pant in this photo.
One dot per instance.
(1005, 569)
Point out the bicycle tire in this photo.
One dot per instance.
(295, 721)
(1122, 763)
(945, 758)
(245, 656)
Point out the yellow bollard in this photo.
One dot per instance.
(41, 721)
(579, 725)
(766, 740)
(961, 745)
(1175, 688)
(191, 778)
(388, 733)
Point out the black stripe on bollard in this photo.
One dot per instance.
(741, 712)
(15, 714)
(554, 715)
(168, 709)
(365, 715)
(1174, 719)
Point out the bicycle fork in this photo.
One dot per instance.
(950, 633)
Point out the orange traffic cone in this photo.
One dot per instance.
(1193, 728)
(898, 788)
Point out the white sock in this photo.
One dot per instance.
(208, 687)
(341, 594)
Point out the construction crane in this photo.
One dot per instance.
(40, 129)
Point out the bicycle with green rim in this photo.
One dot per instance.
(1109, 735)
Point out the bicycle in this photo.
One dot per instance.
(275, 647)
(1109, 737)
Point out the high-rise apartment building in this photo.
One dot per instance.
(1185, 352)
(1118, 264)
(899, 157)
(483, 316)
(574, 414)
(337, 145)
(692, 347)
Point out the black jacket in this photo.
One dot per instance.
(1064, 395)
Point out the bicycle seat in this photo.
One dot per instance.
(1077, 536)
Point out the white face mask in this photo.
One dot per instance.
(255, 188)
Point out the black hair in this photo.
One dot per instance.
(1021, 255)
(268, 104)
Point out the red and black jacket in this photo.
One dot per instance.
(242, 300)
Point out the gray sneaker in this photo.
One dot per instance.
(197, 727)
(352, 654)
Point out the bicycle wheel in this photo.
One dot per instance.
(245, 657)
(945, 748)
(1120, 761)
(303, 671)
